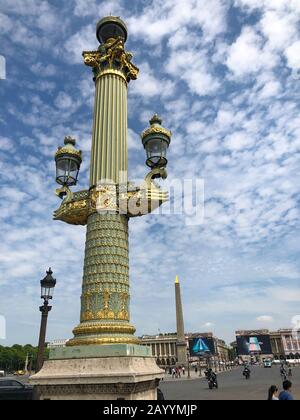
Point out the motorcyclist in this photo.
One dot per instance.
(212, 377)
(246, 371)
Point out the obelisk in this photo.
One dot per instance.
(180, 343)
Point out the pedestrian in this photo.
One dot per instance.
(183, 371)
(273, 393)
(290, 373)
(283, 373)
(173, 373)
(196, 369)
(160, 395)
(286, 394)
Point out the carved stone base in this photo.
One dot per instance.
(107, 378)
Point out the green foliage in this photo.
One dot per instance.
(14, 358)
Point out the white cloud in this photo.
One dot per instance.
(163, 17)
(238, 141)
(6, 144)
(63, 101)
(43, 70)
(192, 67)
(208, 325)
(148, 86)
(265, 319)
(85, 8)
(279, 28)
(5, 23)
(293, 55)
(84, 40)
(247, 54)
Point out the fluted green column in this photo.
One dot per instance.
(109, 148)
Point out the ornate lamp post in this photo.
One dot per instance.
(47, 290)
(104, 341)
(106, 211)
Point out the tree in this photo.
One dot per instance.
(13, 358)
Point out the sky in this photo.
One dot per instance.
(225, 77)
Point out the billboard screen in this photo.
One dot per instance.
(248, 345)
(200, 347)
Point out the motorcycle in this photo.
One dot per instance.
(213, 383)
(246, 373)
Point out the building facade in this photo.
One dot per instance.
(283, 344)
(164, 348)
(290, 344)
(57, 344)
(277, 345)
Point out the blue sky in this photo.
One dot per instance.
(225, 77)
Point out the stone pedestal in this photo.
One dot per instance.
(117, 372)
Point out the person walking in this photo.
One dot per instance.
(286, 394)
(273, 393)
(283, 373)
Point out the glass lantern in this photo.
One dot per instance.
(68, 161)
(156, 141)
(47, 286)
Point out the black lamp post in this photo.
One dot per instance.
(47, 289)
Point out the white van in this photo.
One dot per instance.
(2, 373)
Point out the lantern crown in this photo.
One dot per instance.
(156, 128)
(111, 27)
(69, 148)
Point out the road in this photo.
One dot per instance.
(232, 386)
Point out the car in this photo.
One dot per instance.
(10, 389)
(267, 363)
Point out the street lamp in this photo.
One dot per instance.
(106, 211)
(156, 141)
(68, 160)
(106, 206)
(47, 289)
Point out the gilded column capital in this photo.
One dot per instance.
(110, 57)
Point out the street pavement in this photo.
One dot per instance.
(232, 386)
